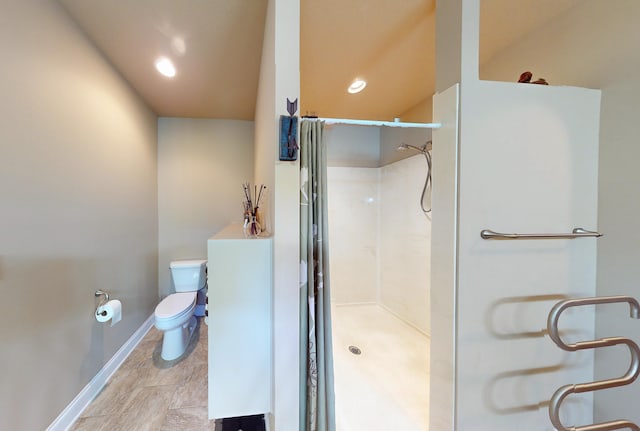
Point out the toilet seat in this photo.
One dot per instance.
(175, 305)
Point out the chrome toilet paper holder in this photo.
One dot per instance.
(102, 302)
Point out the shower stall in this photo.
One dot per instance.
(379, 240)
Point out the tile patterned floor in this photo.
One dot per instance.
(386, 385)
(150, 394)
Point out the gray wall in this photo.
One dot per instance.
(202, 164)
(354, 146)
(370, 147)
(392, 137)
(595, 45)
(78, 211)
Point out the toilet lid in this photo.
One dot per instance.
(175, 304)
(186, 263)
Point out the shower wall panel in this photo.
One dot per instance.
(405, 237)
(379, 238)
(353, 234)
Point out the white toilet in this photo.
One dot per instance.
(175, 313)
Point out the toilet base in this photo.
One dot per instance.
(175, 341)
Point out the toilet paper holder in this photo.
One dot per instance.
(102, 301)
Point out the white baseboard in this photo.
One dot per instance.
(72, 412)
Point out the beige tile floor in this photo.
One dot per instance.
(148, 393)
(386, 385)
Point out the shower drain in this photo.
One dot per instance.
(355, 350)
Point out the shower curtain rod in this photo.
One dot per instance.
(377, 123)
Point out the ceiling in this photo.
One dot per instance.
(217, 44)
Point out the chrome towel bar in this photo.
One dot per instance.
(576, 233)
(629, 377)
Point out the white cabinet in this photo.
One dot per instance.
(240, 368)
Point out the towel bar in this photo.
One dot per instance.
(629, 377)
(576, 233)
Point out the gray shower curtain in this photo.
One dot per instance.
(317, 400)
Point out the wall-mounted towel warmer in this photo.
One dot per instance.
(630, 376)
(576, 233)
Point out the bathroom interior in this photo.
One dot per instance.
(120, 172)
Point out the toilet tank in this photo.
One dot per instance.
(188, 275)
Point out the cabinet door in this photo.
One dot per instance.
(239, 327)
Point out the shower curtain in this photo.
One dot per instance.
(317, 401)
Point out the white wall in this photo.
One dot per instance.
(506, 368)
(594, 45)
(405, 242)
(379, 238)
(353, 210)
(78, 193)
(497, 293)
(202, 164)
(279, 80)
(443, 278)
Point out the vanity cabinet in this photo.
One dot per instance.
(240, 334)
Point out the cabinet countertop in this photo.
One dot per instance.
(235, 231)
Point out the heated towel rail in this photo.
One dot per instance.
(629, 377)
(576, 233)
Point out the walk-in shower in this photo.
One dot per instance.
(379, 241)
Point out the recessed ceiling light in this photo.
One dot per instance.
(165, 67)
(357, 86)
